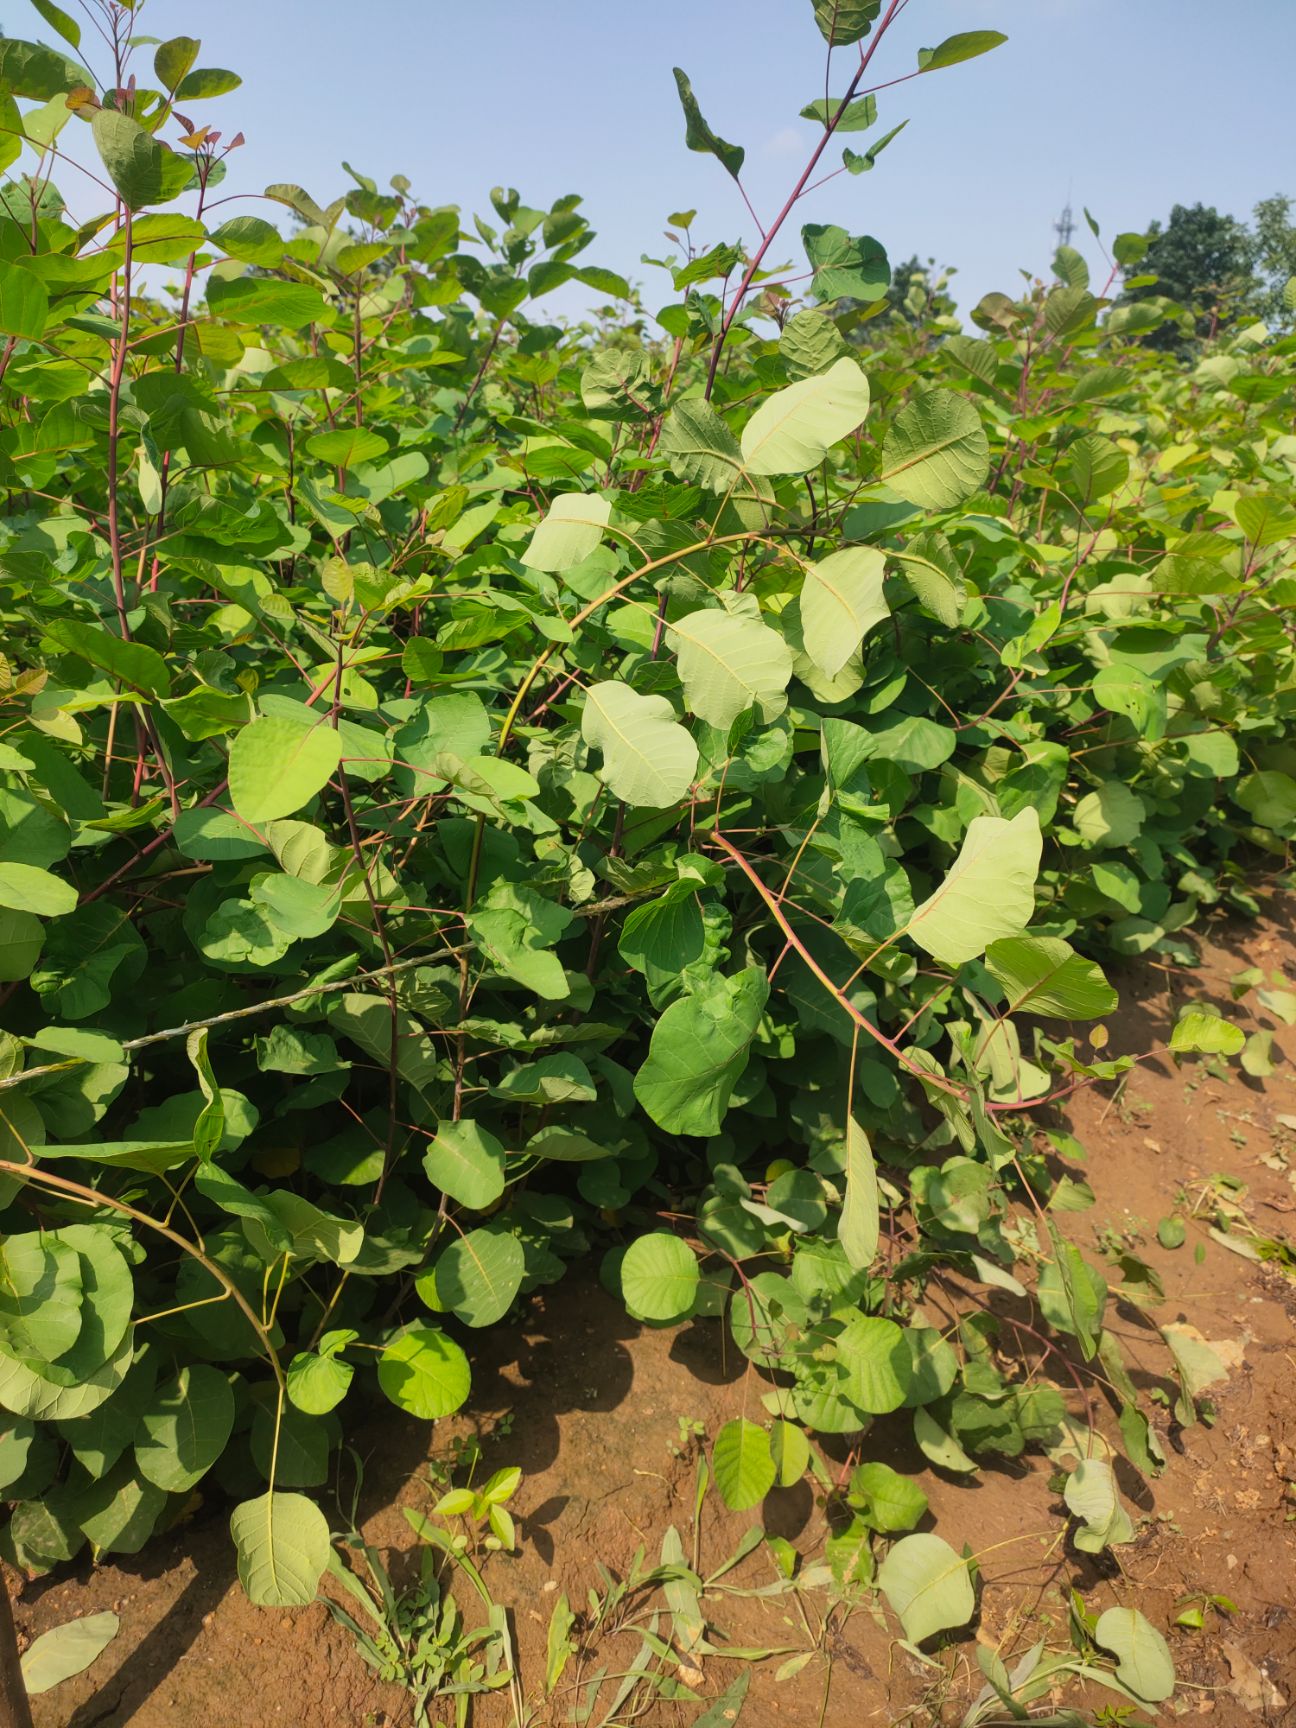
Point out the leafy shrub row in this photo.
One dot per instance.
(475, 790)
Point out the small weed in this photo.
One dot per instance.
(690, 1436)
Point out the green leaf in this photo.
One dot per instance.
(955, 49)
(296, 907)
(24, 304)
(571, 530)
(1072, 1296)
(931, 570)
(699, 136)
(887, 1500)
(185, 1428)
(276, 765)
(467, 1163)
(1171, 1232)
(1201, 1031)
(939, 1447)
(728, 663)
(30, 69)
(988, 893)
(347, 447)
(67, 1650)
(742, 1464)
(666, 934)
(1110, 816)
(864, 161)
(479, 1274)
(933, 1363)
(791, 1453)
(859, 1225)
(1143, 1660)
(250, 240)
(700, 447)
(153, 1156)
(40, 1296)
(845, 266)
(1257, 1055)
(316, 1384)
(927, 1585)
(141, 667)
(1197, 1365)
(262, 300)
(282, 1543)
(206, 82)
(698, 1052)
(659, 1278)
(133, 158)
(1094, 467)
(728, 1706)
(27, 889)
(793, 430)
(425, 1373)
(875, 1363)
(21, 940)
(857, 116)
(562, 1079)
(649, 759)
(843, 21)
(1126, 690)
(810, 342)
(1045, 975)
(841, 601)
(849, 1553)
(516, 927)
(70, 31)
(1269, 798)
(172, 59)
(1091, 1494)
(935, 454)
(1265, 518)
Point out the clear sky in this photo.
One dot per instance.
(1124, 105)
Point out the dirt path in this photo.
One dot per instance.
(603, 1417)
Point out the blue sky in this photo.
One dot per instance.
(1127, 105)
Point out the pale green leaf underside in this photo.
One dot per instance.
(67, 1650)
(480, 1273)
(572, 530)
(282, 1541)
(729, 663)
(989, 891)
(649, 759)
(793, 430)
(1091, 1494)
(859, 1226)
(928, 1586)
(841, 601)
(1143, 1660)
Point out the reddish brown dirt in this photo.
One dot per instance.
(590, 1406)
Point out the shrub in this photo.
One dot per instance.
(478, 790)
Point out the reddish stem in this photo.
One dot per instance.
(829, 128)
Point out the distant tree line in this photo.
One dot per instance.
(1220, 270)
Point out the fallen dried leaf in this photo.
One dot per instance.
(1251, 1686)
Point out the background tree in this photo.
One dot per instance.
(919, 289)
(1274, 256)
(1205, 262)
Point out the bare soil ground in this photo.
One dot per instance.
(602, 1416)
